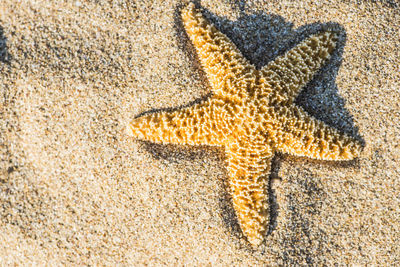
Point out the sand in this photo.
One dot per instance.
(75, 189)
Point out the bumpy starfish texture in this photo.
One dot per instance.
(251, 114)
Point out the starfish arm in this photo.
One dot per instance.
(248, 171)
(226, 68)
(303, 135)
(289, 73)
(194, 125)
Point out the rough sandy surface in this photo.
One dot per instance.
(74, 188)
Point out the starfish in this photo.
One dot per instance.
(251, 114)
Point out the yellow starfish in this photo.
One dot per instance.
(251, 115)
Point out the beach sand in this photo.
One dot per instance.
(75, 189)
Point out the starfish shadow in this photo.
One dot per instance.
(261, 37)
(176, 153)
(302, 210)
